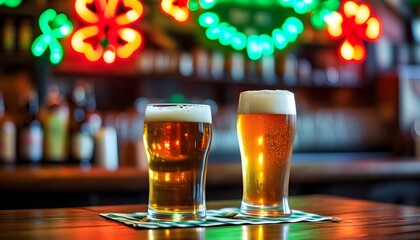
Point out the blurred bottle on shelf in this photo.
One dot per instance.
(129, 129)
(30, 132)
(81, 129)
(25, 35)
(9, 35)
(201, 62)
(7, 135)
(92, 115)
(137, 133)
(217, 68)
(186, 64)
(54, 116)
(237, 67)
(106, 148)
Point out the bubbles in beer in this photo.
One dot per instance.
(270, 136)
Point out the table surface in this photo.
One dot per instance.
(359, 219)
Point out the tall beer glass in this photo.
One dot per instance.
(266, 126)
(177, 139)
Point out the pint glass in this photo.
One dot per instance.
(266, 126)
(177, 139)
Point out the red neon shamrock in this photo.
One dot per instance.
(107, 32)
(354, 23)
(178, 9)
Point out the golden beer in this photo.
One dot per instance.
(177, 147)
(266, 126)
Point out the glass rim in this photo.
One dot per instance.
(188, 112)
(177, 104)
(268, 92)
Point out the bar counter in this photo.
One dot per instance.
(359, 219)
(385, 179)
(47, 178)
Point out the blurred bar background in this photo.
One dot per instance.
(358, 130)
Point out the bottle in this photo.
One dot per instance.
(31, 133)
(7, 135)
(106, 150)
(81, 130)
(92, 115)
(54, 116)
(9, 36)
(25, 36)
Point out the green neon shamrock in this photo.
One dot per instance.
(53, 26)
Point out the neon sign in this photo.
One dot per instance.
(107, 31)
(256, 45)
(53, 26)
(354, 22)
(178, 9)
(321, 12)
(11, 3)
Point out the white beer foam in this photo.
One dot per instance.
(178, 112)
(267, 101)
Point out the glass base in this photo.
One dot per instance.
(281, 210)
(177, 216)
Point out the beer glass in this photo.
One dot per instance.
(266, 126)
(177, 139)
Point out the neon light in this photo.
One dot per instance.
(280, 40)
(11, 3)
(373, 30)
(178, 9)
(79, 45)
(319, 9)
(82, 10)
(239, 41)
(300, 6)
(194, 5)
(353, 22)
(335, 21)
(321, 12)
(52, 26)
(253, 48)
(208, 19)
(133, 39)
(108, 34)
(256, 45)
(109, 54)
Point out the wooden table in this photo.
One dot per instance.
(360, 219)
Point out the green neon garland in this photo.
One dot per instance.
(11, 3)
(259, 45)
(256, 45)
